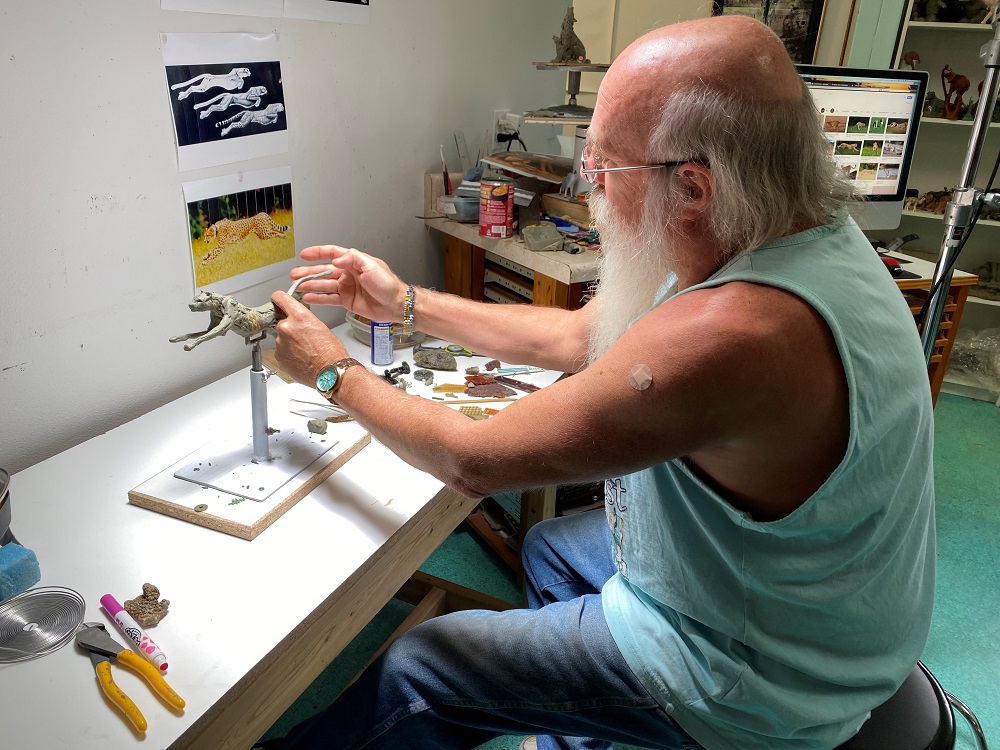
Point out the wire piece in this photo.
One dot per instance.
(640, 377)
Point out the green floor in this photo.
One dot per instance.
(964, 647)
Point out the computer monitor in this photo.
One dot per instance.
(870, 118)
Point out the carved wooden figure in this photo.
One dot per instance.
(953, 85)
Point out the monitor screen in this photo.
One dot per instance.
(870, 119)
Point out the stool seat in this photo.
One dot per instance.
(917, 717)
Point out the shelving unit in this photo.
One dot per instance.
(940, 152)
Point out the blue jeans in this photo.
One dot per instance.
(554, 670)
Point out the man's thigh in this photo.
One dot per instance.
(567, 557)
(554, 670)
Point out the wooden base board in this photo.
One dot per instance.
(178, 498)
(575, 211)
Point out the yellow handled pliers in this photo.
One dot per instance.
(94, 639)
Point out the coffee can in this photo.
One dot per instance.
(496, 208)
(381, 340)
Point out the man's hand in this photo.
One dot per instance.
(303, 345)
(359, 282)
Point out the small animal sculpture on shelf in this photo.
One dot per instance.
(228, 313)
(569, 47)
(911, 58)
(934, 201)
(954, 85)
(147, 609)
(936, 10)
(953, 11)
(933, 105)
(979, 11)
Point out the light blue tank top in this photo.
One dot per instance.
(782, 635)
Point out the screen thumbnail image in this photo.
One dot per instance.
(892, 148)
(834, 124)
(876, 125)
(897, 125)
(867, 170)
(857, 125)
(888, 172)
(848, 148)
(850, 170)
(872, 148)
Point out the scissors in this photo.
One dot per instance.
(454, 349)
(103, 649)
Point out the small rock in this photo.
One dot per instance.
(317, 426)
(435, 360)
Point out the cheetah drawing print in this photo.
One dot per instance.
(199, 84)
(267, 116)
(230, 232)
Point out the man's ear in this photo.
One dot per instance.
(697, 187)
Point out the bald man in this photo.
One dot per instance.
(762, 576)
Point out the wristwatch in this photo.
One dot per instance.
(329, 378)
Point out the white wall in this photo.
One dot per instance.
(609, 26)
(94, 258)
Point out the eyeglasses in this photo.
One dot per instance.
(591, 161)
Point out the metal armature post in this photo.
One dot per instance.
(959, 212)
(258, 404)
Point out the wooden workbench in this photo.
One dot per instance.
(251, 623)
(553, 278)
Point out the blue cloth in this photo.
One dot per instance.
(783, 635)
(461, 679)
(19, 570)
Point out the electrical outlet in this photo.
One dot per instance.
(498, 126)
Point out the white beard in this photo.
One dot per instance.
(633, 266)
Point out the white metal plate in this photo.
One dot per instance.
(227, 464)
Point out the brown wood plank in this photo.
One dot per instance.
(496, 543)
(264, 694)
(549, 292)
(457, 266)
(458, 597)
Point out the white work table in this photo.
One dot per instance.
(251, 623)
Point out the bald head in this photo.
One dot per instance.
(735, 55)
(722, 96)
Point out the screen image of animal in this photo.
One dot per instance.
(897, 126)
(857, 125)
(848, 148)
(834, 124)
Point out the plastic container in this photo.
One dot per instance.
(461, 209)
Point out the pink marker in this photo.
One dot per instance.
(135, 634)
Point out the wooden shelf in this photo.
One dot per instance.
(558, 120)
(940, 217)
(942, 121)
(950, 26)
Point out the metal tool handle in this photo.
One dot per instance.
(117, 696)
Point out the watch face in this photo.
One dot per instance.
(327, 378)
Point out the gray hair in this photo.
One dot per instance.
(770, 163)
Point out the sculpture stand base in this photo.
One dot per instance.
(225, 502)
(227, 464)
